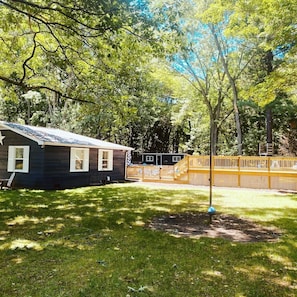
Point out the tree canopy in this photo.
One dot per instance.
(156, 75)
(57, 45)
(256, 64)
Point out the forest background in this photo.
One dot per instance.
(156, 75)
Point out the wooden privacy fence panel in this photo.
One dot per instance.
(228, 171)
(150, 172)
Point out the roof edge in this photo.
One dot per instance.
(3, 124)
(123, 148)
(43, 143)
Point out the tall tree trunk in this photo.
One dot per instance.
(237, 124)
(213, 136)
(269, 125)
(269, 69)
(232, 83)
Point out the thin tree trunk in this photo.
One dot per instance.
(213, 136)
(269, 69)
(237, 124)
(269, 125)
(234, 92)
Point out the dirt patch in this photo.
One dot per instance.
(195, 225)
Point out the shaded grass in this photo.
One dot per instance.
(92, 242)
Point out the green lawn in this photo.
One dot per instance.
(93, 242)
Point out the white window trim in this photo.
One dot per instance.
(149, 158)
(12, 158)
(73, 158)
(109, 160)
(176, 158)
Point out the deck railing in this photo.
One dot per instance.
(244, 163)
(242, 169)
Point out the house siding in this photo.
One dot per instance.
(118, 172)
(49, 166)
(57, 169)
(35, 175)
(160, 158)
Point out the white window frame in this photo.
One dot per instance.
(176, 158)
(12, 158)
(75, 156)
(105, 164)
(149, 158)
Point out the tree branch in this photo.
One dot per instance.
(29, 58)
(67, 15)
(40, 87)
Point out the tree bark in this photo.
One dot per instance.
(269, 125)
(269, 69)
(234, 92)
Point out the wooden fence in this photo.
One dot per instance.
(227, 171)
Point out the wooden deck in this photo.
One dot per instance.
(227, 171)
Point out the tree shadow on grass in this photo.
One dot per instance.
(196, 225)
(37, 219)
(94, 242)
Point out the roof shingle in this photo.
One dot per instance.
(55, 137)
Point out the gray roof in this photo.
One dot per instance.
(56, 137)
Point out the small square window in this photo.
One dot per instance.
(149, 158)
(176, 159)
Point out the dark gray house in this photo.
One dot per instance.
(46, 158)
(159, 159)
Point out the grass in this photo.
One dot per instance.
(93, 242)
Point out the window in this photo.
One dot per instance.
(18, 158)
(176, 159)
(79, 159)
(105, 160)
(149, 158)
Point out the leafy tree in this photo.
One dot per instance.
(99, 69)
(52, 44)
(250, 26)
(270, 26)
(212, 64)
(87, 51)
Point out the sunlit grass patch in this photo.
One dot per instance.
(94, 241)
(21, 220)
